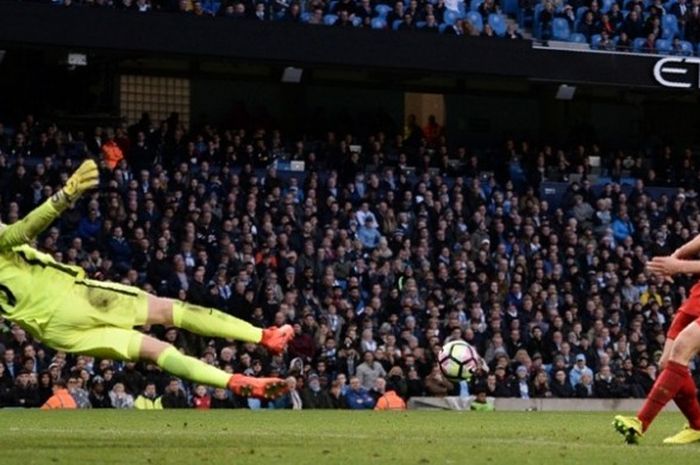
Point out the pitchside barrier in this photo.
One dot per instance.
(522, 405)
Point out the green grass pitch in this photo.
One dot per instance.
(333, 437)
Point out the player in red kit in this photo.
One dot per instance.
(682, 343)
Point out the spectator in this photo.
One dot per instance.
(436, 384)
(520, 384)
(120, 398)
(111, 151)
(512, 32)
(98, 397)
(633, 25)
(76, 389)
(337, 398)
(480, 403)
(174, 396)
(584, 388)
(589, 26)
(149, 400)
(201, 399)
(578, 370)
(369, 370)
(390, 400)
(313, 397)
(61, 398)
(357, 397)
(222, 400)
(45, 386)
(540, 385)
(561, 387)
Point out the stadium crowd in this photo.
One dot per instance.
(645, 26)
(378, 253)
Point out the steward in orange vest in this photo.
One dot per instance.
(390, 401)
(61, 398)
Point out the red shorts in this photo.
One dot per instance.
(689, 312)
(680, 321)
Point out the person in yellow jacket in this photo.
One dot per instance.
(149, 400)
(481, 403)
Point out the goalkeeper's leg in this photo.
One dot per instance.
(129, 344)
(171, 360)
(211, 322)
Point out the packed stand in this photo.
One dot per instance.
(378, 253)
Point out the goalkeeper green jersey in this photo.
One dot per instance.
(31, 284)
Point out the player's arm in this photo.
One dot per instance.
(668, 266)
(84, 178)
(688, 250)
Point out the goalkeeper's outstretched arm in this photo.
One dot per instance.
(85, 178)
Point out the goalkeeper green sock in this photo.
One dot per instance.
(210, 322)
(182, 366)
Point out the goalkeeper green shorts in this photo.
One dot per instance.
(97, 318)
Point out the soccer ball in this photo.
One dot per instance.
(458, 360)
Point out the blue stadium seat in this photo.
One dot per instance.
(669, 26)
(687, 48)
(474, 4)
(450, 17)
(462, 9)
(580, 12)
(442, 27)
(211, 6)
(382, 10)
(357, 21)
(330, 20)
(606, 5)
(378, 23)
(638, 44)
(331, 5)
(663, 46)
(560, 29)
(476, 20)
(420, 24)
(511, 7)
(305, 17)
(578, 38)
(498, 24)
(395, 25)
(595, 41)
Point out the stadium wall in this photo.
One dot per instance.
(545, 405)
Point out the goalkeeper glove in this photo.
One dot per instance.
(86, 177)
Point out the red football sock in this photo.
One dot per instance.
(687, 401)
(666, 387)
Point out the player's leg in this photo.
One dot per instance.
(634, 427)
(124, 344)
(675, 382)
(666, 354)
(173, 361)
(211, 322)
(684, 349)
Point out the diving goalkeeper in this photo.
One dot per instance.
(60, 306)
